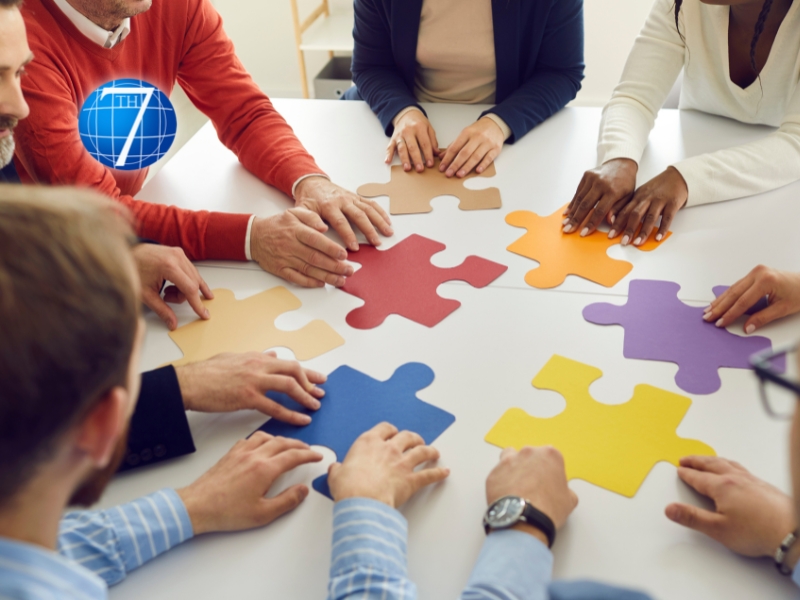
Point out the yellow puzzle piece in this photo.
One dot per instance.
(612, 446)
(249, 325)
(560, 254)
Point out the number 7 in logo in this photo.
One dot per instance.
(146, 94)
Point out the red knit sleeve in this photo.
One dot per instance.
(49, 150)
(246, 122)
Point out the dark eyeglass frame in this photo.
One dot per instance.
(762, 365)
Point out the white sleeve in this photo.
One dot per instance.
(652, 67)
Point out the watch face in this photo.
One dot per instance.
(505, 512)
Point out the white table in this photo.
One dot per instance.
(484, 356)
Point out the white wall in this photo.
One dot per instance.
(264, 38)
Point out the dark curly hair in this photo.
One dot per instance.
(759, 29)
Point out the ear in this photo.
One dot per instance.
(99, 432)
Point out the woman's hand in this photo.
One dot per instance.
(414, 140)
(475, 148)
(599, 191)
(660, 198)
(781, 288)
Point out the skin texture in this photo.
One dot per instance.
(230, 382)
(108, 14)
(14, 55)
(782, 289)
(414, 141)
(381, 465)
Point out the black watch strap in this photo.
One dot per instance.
(541, 521)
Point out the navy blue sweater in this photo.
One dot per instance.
(538, 49)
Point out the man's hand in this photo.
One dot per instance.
(536, 474)
(229, 382)
(476, 147)
(781, 288)
(751, 516)
(414, 140)
(157, 264)
(599, 191)
(230, 496)
(339, 207)
(291, 245)
(381, 465)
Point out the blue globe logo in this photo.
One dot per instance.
(127, 124)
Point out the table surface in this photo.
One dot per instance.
(484, 356)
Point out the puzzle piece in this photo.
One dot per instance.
(612, 446)
(355, 402)
(411, 192)
(561, 254)
(402, 281)
(760, 305)
(658, 326)
(249, 326)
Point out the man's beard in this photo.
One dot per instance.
(92, 489)
(7, 143)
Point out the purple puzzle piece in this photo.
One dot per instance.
(658, 326)
(757, 307)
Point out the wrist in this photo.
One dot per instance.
(362, 495)
(531, 530)
(185, 385)
(201, 523)
(307, 183)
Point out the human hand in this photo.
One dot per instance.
(414, 140)
(751, 516)
(476, 147)
(230, 495)
(598, 192)
(291, 245)
(157, 264)
(539, 476)
(661, 197)
(229, 382)
(380, 465)
(782, 289)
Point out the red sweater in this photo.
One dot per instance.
(178, 40)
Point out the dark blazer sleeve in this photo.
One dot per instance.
(555, 76)
(377, 76)
(159, 428)
(588, 590)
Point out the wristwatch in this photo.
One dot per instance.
(510, 510)
(782, 552)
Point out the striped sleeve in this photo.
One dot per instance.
(113, 542)
(368, 558)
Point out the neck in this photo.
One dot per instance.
(107, 22)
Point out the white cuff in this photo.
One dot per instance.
(501, 124)
(247, 254)
(296, 183)
(405, 111)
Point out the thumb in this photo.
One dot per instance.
(310, 218)
(769, 314)
(701, 520)
(154, 302)
(286, 501)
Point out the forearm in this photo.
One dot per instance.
(113, 542)
(368, 558)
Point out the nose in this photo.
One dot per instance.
(12, 102)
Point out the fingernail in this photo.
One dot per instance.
(707, 309)
(565, 221)
(708, 316)
(749, 329)
(343, 254)
(637, 241)
(719, 322)
(612, 233)
(612, 218)
(449, 172)
(316, 404)
(659, 237)
(305, 419)
(419, 167)
(206, 314)
(585, 232)
(625, 240)
(375, 241)
(461, 173)
(406, 166)
(479, 170)
(389, 231)
(567, 228)
(348, 271)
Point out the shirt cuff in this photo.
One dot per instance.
(150, 526)
(247, 253)
(501, 124)
(796, 576)
(296, 183)
(406, 110)
(368, 536)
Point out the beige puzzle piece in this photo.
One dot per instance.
(411, 192)
(249, 326)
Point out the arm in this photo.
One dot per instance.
(375, 71)
(556, 77)
(111, 543)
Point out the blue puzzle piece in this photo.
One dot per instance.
(355, 402)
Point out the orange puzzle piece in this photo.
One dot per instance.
(412, 192)
(560, 254)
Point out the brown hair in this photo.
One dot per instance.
(68, 318)
(10, 3)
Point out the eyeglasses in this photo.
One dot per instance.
(779, 393)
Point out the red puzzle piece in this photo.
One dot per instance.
(402, 281)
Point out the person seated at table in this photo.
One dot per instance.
(82, 44)
(780, 288)
(526, 58)
(72, 334)
(740, 60)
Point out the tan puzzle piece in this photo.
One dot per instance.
(412, 192)
(249, 326)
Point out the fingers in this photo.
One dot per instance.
(701, 481)
(434, 142)
(383, 430)
(667, 217)
(290, 459)
(283, 503)
(259, 438)
(629, 219)
(414, 153)
(402, 152)
(704, 521)
(508, 452)
(359, 215)
(487, 160)
(427, 149)
(425, 477)
(458, 166)
(475, 158)
(154, 302)
(451, 152)
(280, 413)
(421, 454)
(296, 277)
(390, 150)
(649, 223)
(189, 285)
(405, 440)
(769, 314)
(313, 220)
(277, 445)
(297, 391)
(583, 208)
(742, 304)
(711, 464)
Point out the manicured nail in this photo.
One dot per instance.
(707, 309)
(612, 233)
(305, 419)
(567, 228)
(708, 316)
(719, 322)
(565, 221)
(406, 166)
(612, 218)
(749, 329)
(461, 173)
(316, 404)
(659, 237)
(206, 314)
(625, 240)
(637, 241)
(585, 232)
